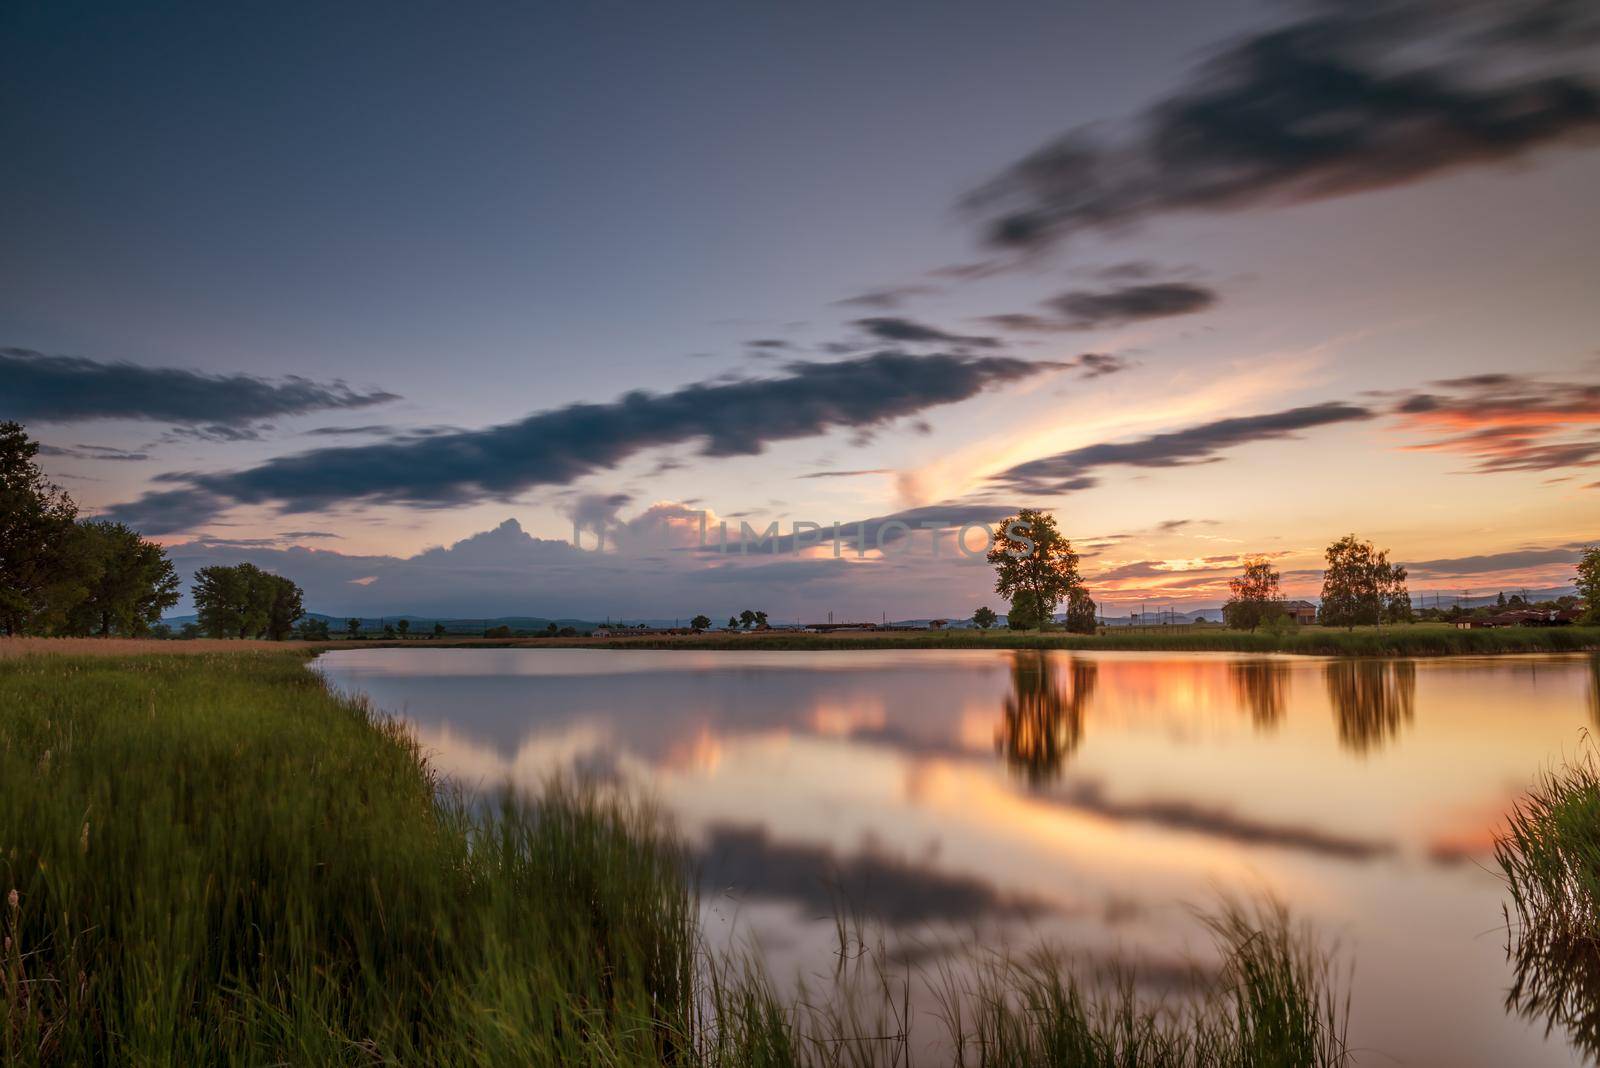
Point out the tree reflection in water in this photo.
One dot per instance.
(1372, 700)
(1042, 721)
(1594, 689)
(1261, 686)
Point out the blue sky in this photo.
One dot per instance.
(447, 220)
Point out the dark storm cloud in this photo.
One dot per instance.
(1088, 309)
(891, 328)
(58, 389)
(1342, 100)
(1074, 470)
(872, 883)
(887, 297)
(556, 447)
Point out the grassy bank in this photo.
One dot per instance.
(1413, 640)
(212, 859)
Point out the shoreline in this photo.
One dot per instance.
(1410, 641)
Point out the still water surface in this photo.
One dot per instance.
(1089, 800)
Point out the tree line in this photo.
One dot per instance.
(65, 576)
(1360, 587)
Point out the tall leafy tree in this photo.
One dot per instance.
(1035, 566)
(984, 618)
(42, 574)
(130, 581)
(1082, 615)
(281, 600)
(1254, 596)
(700, 623)
(1361, 587)
(226, 603)
(1392, 588)
(244, 601)
(1588, 583)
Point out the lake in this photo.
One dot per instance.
(1090, 800)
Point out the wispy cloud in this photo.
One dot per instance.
(1077, 469)
(887, 297)
(556, 447)
(1508, 422)
(91, 452)
(60, 389)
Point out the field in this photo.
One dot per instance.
(213, 859)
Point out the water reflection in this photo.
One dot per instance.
(1594, 690)
(1262, 687)
(1557, 983)
(1372, 700)
(1042, 721)
(900, 783)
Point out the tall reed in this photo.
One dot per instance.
(215, 860)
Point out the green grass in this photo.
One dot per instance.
(1421, 639)
(215, 860)
(1550, 856)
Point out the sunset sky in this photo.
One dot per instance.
(389, 298)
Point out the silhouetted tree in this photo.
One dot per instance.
(130, 581)
(41, 577)
(438, 630)
(1588, 583)
(244, 601)
(404, 627)
(1254, 595)
(226, 603)
(1035, 567)
(284, 604)
(700, 623)
(1081, 615)
(352, 627)
(984, 618)
(1361, 587)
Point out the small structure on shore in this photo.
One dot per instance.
(1302, 612)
